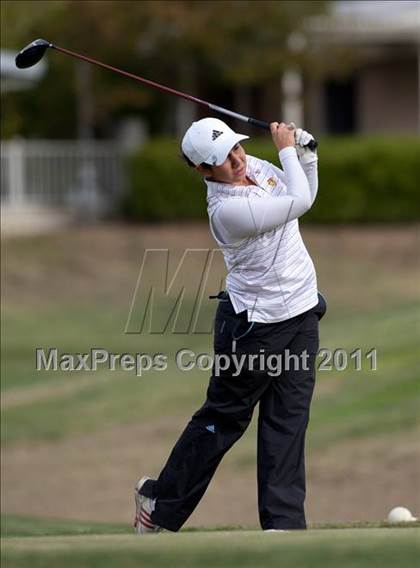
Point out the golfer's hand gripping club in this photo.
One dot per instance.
(283, 135)
(309, 143)
(302, 143)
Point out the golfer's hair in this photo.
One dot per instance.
(190, 163)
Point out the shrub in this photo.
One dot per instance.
(360, 180)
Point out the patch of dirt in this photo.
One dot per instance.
(92, 478)
(364, 479)
(102, 263)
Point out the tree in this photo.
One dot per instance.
(186, 44)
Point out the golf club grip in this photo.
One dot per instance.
(313, 144)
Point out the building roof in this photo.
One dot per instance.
(369, 22)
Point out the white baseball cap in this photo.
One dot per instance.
(209, 140)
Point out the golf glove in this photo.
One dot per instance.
(302, 137)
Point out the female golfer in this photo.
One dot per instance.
(267, 318)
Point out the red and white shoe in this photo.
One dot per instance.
(144, 507)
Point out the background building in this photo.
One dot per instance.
(373, 85)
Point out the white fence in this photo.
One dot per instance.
(83, 177)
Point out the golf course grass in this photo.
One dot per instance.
(79, 437)
(36, 543)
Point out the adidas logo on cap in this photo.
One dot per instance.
(216, 134)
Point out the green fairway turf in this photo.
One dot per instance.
(383, 400)
(19, 526)
(344, 548)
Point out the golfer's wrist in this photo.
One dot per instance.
(287, 152)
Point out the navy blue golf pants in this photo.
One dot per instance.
(284, 403)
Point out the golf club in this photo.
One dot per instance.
(33, 52)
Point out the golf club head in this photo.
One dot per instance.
(32, 53)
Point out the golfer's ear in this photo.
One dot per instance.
(202, 169)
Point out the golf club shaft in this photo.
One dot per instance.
(131, 75)
(259, 123)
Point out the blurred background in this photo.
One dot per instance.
(91, 177)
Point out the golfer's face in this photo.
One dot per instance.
(233, 169)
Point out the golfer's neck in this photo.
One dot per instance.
(246, 181)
